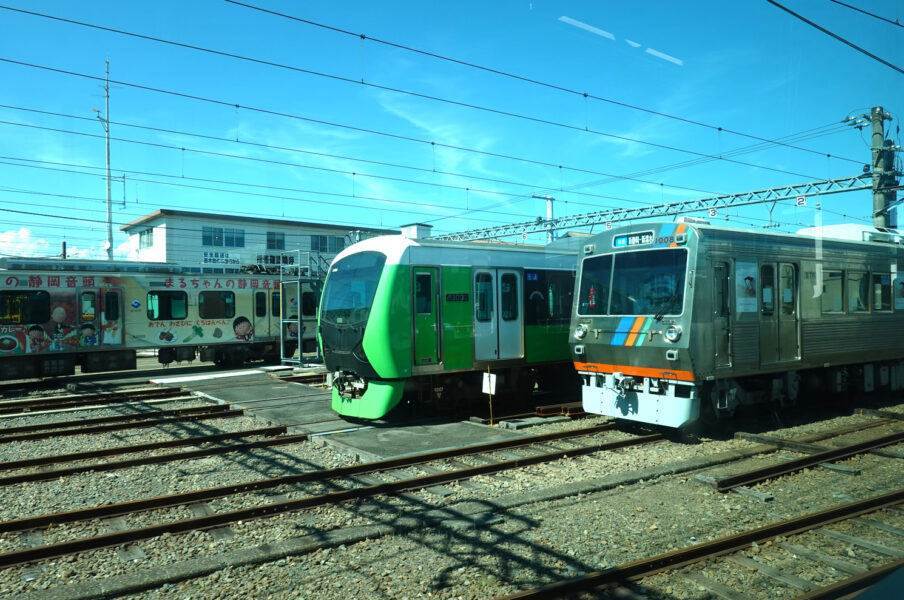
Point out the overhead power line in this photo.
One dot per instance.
(836, 36)
(831, 186)
(866, 12)
(553, 86)
(395, 90)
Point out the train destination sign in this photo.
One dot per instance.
(633, 239)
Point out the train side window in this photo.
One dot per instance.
(721, 289)
(111, 306)
(788, 285)
(832, 299)
(88, 306)
(24, 307)
(484, 288)
(260, 304)
(767, 289)
(857, 292)
(881, 292)
(508, 297)
(309, 304)
(274, 304)
(165, 305)
(216, 305)
(423, 299)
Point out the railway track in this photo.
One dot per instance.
(731, 548)
(44, 403)
(53, 467)
(334, 486)
(116, 423)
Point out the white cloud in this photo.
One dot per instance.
(21, 243)
(586, 27)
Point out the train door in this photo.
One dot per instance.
(111, 321)
(721, 315)
(497, 316)
(262, 313)
(779, 322)
(426, 316)
(88, 325)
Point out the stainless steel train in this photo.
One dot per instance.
(429, 318)
(677, 321)
(56, 315)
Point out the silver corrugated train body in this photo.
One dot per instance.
(672, 320)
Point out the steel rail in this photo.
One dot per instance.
(676, 559)
(43, 461)
(142, 424)
(14, 407)
(151, 414)
(49, 551)
(725, 484)
(132, 506)
(845, 587)
(153, 460)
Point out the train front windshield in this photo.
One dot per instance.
(647, 282)
(350, 288)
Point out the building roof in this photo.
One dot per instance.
(165, 212)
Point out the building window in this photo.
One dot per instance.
(145, 239)
(276, 240)
(234, 238)
(327, 243)
(212, 236)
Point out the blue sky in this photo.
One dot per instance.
(315, 144)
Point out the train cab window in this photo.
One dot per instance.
(832, 298)
(767, 289)
(216, 305)
(484, 287)
(423, 298)
(164, 305)
(111, 306)
(857, 292)
(260, 304)
(596, 277)
(508, 297)
(309, 304)
(88, 303)
(24, 307)
(881, 292)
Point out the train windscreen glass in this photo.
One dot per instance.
(648, 282)
(350, 288)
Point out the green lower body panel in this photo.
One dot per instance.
(379, 398)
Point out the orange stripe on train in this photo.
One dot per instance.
(636, 371)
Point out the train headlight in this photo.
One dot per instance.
(673, 333)
(580, 332)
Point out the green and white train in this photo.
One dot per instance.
(424, 320)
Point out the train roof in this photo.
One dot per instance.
(24, 263)
(395, 246)
(845, 233)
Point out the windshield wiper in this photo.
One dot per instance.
(661, 312)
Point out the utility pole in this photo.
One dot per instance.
(105, 121)
(550, 236)
(883, 167)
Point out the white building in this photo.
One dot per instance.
(211, 243)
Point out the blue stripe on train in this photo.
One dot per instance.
(621, 332)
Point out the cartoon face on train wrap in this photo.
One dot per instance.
(400, 314)
(42, 313)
